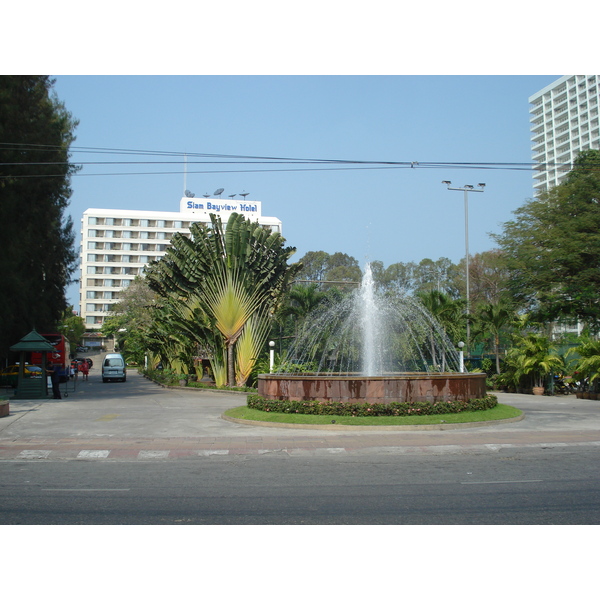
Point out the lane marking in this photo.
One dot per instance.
(93, 454)
(495, 482)
(143, 454)
(86, 489)
(34, 453)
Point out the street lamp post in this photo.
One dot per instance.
(271, 355)
(466, 189)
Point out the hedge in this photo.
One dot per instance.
(394, 409)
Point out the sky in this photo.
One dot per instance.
(397, 214)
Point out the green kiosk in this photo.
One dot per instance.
(30, 387)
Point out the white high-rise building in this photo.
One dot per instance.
(116, 245)
(564, 122)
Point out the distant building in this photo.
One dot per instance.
(564, 122)
(117, 244)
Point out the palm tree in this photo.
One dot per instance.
(490, 320)
(301, 300)
(231, 305)
(534, 355)
(231, 272)
(588, 363)
(445, 311)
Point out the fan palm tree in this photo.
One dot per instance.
(232, 272)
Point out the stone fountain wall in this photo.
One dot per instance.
(399, 387)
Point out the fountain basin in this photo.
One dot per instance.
(384, 389)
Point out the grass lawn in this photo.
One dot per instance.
(501, 411)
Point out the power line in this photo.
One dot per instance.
(238, 159)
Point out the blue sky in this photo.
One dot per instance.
(392, 215)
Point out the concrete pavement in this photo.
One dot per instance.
(140, 420)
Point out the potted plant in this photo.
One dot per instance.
(535, 357)
(587, 367)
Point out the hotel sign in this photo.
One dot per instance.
(217, 206)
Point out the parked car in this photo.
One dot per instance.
(114, 367)
(10, 375)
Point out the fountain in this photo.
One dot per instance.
(374, 349)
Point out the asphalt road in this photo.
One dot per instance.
(137, 453)
(518, 486)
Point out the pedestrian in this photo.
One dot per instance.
(84, 367)
(55, 378)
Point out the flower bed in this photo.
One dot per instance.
(394, 409)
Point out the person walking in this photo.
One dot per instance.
(84, 367)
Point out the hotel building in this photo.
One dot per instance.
(564, 122)
(116, 245)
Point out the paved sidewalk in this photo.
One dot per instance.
(139, 420)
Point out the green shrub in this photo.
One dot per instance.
(394, 409)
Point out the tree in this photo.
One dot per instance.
(436, 275)
(532, 358)
(587, 363)
(398, 278)
(447, 312)
(342, 267)
(234, 275)
(38, 256)
(488, 277)
(491, 320)
(552, 248)
(72, 327)
(322, 267)
(301, 300)
(131, 319)
(314, 265)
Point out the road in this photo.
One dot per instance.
(137, 453)
(517, 486)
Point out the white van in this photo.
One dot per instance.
(114, 367)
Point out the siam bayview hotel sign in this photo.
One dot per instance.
(224, 208)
